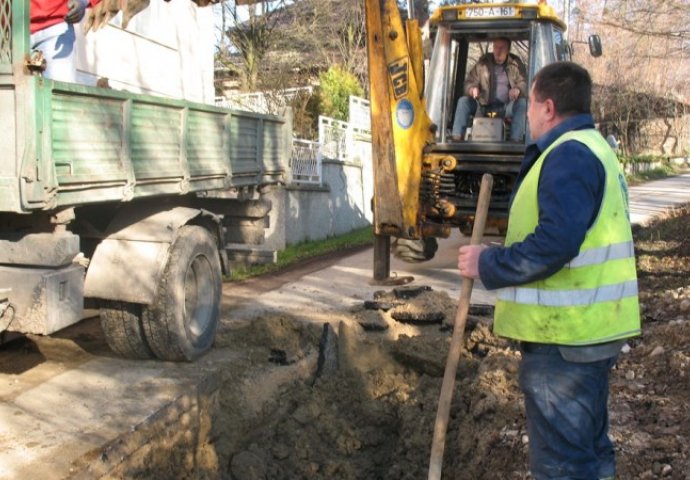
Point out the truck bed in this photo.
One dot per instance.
(85, 145)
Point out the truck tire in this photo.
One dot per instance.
(414, 251)
(181, 323)
(122, 327)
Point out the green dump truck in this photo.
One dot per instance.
(123, 202)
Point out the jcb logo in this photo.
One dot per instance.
(397, 70)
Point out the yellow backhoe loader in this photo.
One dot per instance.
(426, 180)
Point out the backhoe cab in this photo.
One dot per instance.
(437, 173)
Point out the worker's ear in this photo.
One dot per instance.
(549, 109)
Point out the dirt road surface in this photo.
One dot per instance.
(265, 405)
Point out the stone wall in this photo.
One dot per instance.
(299, 213)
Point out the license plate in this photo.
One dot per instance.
(486, 12)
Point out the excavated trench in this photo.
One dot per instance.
(362, 396)
(357, 399)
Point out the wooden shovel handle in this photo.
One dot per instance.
(439, 442)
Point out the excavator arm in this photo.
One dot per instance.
(400, 127)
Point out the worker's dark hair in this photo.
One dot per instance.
(567, 84)
(505, 39)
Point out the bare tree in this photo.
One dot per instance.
(644, 69)
(328, 32)
(249, 38)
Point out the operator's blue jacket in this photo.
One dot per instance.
(571, 188)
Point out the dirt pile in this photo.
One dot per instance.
(373, 417)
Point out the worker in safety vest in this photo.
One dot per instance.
(565, 279)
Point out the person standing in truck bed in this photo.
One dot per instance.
(52, 32)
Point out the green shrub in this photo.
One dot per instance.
(337, 84)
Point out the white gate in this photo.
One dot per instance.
(305, 162)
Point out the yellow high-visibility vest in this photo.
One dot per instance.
(592, 299)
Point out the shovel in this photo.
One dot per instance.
(439, 442)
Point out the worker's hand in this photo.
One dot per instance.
(474, 92)
(468, 260)
(100, 14)
(75, 10)
(514, 93)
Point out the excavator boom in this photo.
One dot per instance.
(401, 127)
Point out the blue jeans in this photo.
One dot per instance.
(468, 106)
(567, 415)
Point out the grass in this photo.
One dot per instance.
(653, 174)
(303, 251)
(665, 168)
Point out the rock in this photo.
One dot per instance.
(347, 341)
(486, 405)
(630, 375)
(280, 451)
(685, 305)
(626, 348)
(408, 314)
(372, 320)
(679, 361)
(281, 357)
(422, 354)
(248, 466)
(410, 291)
(482, 310)
(380, 305)
(658, 350)
(327, 363)
(307, 413)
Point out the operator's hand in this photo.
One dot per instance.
(474, 92)
(468, 260)
(75, 10)
(514, 93)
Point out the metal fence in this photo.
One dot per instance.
(305, 162)
(359, 112)
(338, 140)
(262, 102)
(5, 32)
(341, 140)
(333, 138)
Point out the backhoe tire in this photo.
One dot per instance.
(466, 228)
(414, 251)
(181, 322)
(122, 327)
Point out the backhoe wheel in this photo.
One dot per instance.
(466, 228)
(414, 251)
(122, 327)
(181, 323)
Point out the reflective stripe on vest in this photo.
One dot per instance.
(593, 298)
(566, 298)
(603, 254)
